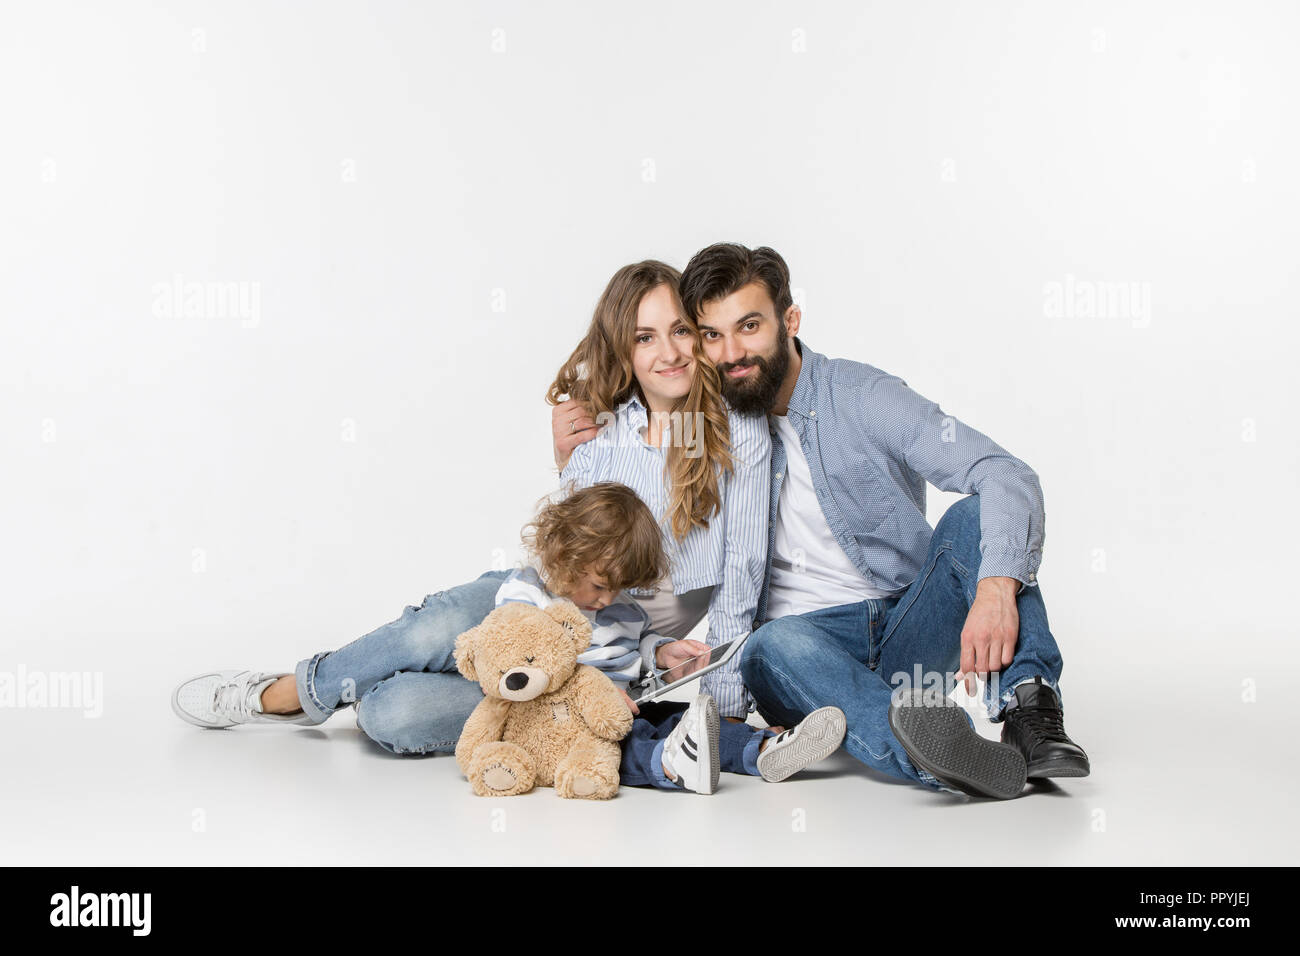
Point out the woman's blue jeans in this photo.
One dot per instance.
(854, 655)
(402, 676)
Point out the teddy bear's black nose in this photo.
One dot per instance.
(516, 681)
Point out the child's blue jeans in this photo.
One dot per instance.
(411, 700)
(643, 748)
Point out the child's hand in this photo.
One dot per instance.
(631, 705)
(679, 655)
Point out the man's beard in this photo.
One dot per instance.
(756, 392)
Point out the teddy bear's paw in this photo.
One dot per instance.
(613, 724)
(501, 781)
(585, 783)
(500, 778)
(500, 769)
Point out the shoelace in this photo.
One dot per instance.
(1045, 722)
(232, 698)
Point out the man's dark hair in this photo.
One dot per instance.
(717, 271)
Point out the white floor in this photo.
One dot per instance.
(1171, 784)
(343, 415)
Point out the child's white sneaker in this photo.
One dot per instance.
(691, 750)
(814, 738)
(225, 698)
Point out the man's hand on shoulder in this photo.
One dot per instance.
(571, 425)
(988, 640)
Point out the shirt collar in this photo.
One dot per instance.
(637, 418)
(803, 400)
(636, 413)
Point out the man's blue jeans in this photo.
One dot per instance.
(853, 656)
(410, 697)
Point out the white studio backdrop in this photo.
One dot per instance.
(282, 286)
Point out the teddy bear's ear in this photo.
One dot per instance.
(567, 615)
(465, 646)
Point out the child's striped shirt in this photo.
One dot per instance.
(623, 643)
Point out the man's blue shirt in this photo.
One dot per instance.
(872, 443)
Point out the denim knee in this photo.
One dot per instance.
(415, 712)
(398, 728)
(757, 645)
(961, 519)
(772, 642)
(771, 656)
(430, 631)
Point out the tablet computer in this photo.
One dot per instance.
(653, 686)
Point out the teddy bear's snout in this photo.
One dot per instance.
(523, 683)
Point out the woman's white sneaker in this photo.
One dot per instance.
(691, 750)
(226, 698)
(814, 738)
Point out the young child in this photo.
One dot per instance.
(576, 545)
(587, 548)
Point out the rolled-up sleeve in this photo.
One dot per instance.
(952, 456)
(651, 641)
(734, 603)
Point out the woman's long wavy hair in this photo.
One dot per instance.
(599, 374)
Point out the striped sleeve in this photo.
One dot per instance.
(581, 466)
(620, 632)
(616, 638)
(524, 586)
(734, 604)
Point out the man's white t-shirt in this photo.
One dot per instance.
(810, 570)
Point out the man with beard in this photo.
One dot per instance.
(863, 602)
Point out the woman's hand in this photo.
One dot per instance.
(571, 425)
(631, 704)
(679, 656)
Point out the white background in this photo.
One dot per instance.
(427, 200)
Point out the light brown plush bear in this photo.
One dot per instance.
(545, 719)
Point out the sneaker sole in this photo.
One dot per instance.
(939, 740)
(1058, 768)
(820, 735)
(715, 758)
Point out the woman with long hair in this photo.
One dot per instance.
(640, 374)
(643, 392)
(701, 472)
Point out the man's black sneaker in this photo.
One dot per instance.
(1035, 726)
(939, 738)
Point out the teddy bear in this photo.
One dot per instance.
(545, 719)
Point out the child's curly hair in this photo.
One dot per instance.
(604, 528)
